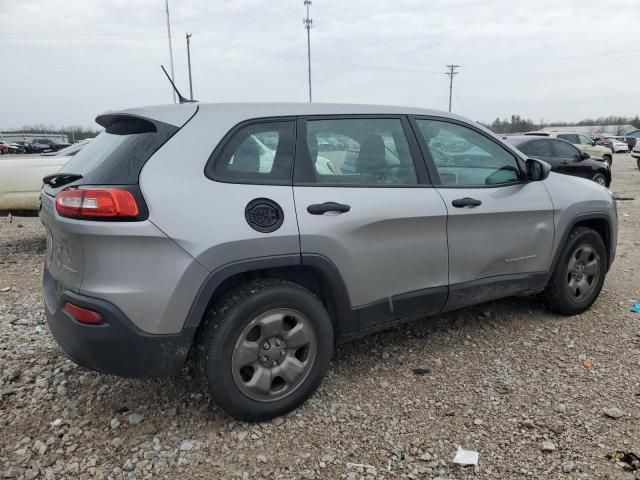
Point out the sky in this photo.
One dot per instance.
(62, 62)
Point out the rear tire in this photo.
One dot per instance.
(264, 348)
(608, 159)
(579, 274)
(638, 163)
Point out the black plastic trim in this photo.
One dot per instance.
(419, 303)
(117, 346)
(345, 318)
(215, 279)
(611, 249)
(486, 289)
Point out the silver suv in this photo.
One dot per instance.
(254, 237)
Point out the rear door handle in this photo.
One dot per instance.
(321, 208)
(466, 202)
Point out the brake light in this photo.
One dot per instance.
(83, 315)
(91, 202)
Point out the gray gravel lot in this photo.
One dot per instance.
(504, 378)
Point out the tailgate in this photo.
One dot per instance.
(64, 256)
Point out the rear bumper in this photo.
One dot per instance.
(115, 347)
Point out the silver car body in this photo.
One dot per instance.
(397, 249)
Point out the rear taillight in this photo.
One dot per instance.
(83, 315)
(96, 203)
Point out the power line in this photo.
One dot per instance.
(308, 22)
(452, 73)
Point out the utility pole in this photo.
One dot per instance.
(452, 73)
(307, 22)
(170, 48)
(188, 35)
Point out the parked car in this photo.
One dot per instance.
(17, 148)
(21, 179)
(563, 157)
(582, 142)
(167, 235)
(70, 150)
(57, 146)
(618, 144)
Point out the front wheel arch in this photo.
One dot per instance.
(598, 222)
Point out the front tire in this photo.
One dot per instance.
(638, 163)
(579, 274)
(264, 349)
(608, 159)
(600, 179)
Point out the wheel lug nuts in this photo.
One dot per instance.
(282, 353)
(278, 342)
(266, 346)
(264, 359)
(275, 363)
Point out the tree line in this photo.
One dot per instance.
(517, 124)
(73, 132)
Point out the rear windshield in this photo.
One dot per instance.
(117, 155)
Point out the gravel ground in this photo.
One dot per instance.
(525, 388)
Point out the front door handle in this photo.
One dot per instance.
(321, 208)
(466, 202)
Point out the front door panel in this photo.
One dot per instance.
(510, 232)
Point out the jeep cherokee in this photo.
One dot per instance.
(254, 237)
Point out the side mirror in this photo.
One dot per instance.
(537, 169)
(585, 155)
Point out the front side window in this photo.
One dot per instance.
(257, 153)
(565, 150)
(464, 157)
(360, 152)
(584, 140)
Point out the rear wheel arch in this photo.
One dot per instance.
(315, 273)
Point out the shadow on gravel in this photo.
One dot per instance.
(34, 244)
(495, 316)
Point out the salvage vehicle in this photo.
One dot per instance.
(582, 142)
(563, 157)
(170, 236)
(21, 178)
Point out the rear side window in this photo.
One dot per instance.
(360, 152)
(259, 153)
(569, 137)
(117, 155)
(539, 148)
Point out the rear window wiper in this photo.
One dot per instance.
(59, 179)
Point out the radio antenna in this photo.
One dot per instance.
(181, 99)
